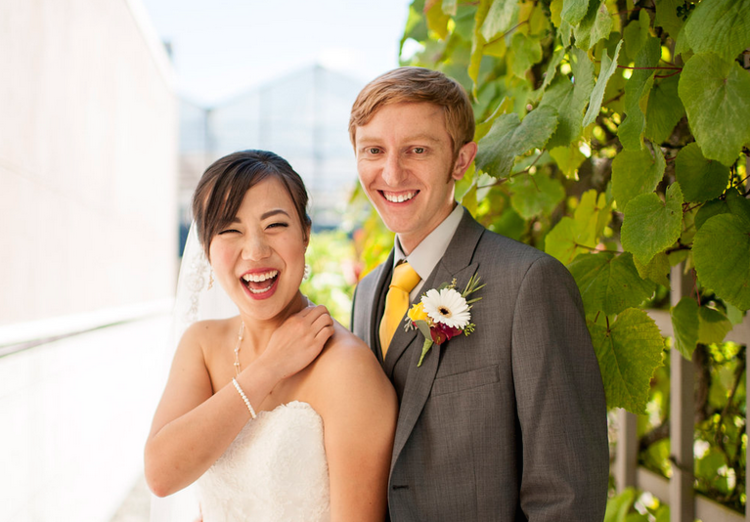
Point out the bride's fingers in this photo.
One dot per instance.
(312, 313)
(324, 334)
(322, 320)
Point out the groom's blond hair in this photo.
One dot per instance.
(417, 84)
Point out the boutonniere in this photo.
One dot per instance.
(443, 313)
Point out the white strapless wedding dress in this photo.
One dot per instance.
(274, 471)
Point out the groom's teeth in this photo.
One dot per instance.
(259, 278)
(399, 198)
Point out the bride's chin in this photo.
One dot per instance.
(272, 308)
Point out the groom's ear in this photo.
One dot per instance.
(465, 156)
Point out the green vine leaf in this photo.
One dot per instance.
(573, 236)
(722, 263)
(701, 179)
(568, 159)
(650, 225)
(437, 20)
(733, 203)
(477, 43)
(535, 194)
(609, 283)
(664, 110)
(721, 27)
(450, 7)
(595, 26)
(636, 172)
(551, 71)
(629, 351)
(566, 241)
(501, 15)
(666, 16)
(526, 52)
(416, 25)
(510, 137)
(637, 89)
(619, 505)
(655, 270)
(573, 11)
(609, 66)
(713, 326)
(716, 95)
(569, 99)
(636, 34)
(685, 326)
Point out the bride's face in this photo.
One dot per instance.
(259, 259)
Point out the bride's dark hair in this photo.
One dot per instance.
(222, 187)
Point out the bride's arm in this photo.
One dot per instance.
(359, 410)
(192, 427)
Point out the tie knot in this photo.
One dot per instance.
(405, 277)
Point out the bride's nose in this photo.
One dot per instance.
(255, 247)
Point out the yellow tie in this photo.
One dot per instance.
(396, 302)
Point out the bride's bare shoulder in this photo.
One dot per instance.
(345, 348)
(346, 363)
(201, 333)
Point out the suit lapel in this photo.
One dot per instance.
(456, 263)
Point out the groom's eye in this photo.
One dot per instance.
(373, 150)
(418, 150)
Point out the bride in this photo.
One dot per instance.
(278, 413)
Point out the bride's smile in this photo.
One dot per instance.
(259, 257)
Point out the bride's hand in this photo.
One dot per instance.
(299, 340)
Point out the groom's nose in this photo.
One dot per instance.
(393, 170)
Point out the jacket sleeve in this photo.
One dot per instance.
(560, 400)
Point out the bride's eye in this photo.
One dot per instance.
(281, 224)
(227, 231)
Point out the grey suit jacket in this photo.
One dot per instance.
(507, 424)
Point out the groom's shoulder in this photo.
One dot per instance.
(496, 248)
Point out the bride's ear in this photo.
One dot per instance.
(308, 231)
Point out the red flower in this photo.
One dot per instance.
(441, 333)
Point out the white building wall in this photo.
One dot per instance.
(88, 148)
(88, 237)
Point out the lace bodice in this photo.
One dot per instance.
(275, 470)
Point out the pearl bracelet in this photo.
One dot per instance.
(244, 397)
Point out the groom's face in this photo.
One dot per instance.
(406, 167)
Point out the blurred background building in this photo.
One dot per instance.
(301, 116)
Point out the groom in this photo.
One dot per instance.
(508, 423)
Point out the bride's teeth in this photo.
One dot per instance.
(259, 278)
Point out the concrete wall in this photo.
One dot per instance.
(88, 237)
(88, 155)
(74, 417)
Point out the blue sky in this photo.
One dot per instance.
(222, 47)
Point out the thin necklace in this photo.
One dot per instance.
(237, 348)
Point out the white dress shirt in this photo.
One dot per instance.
(426, 255)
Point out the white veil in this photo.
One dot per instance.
(194, 301)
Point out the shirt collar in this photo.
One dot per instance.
(426, 255)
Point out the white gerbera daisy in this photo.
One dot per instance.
(447, 306)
